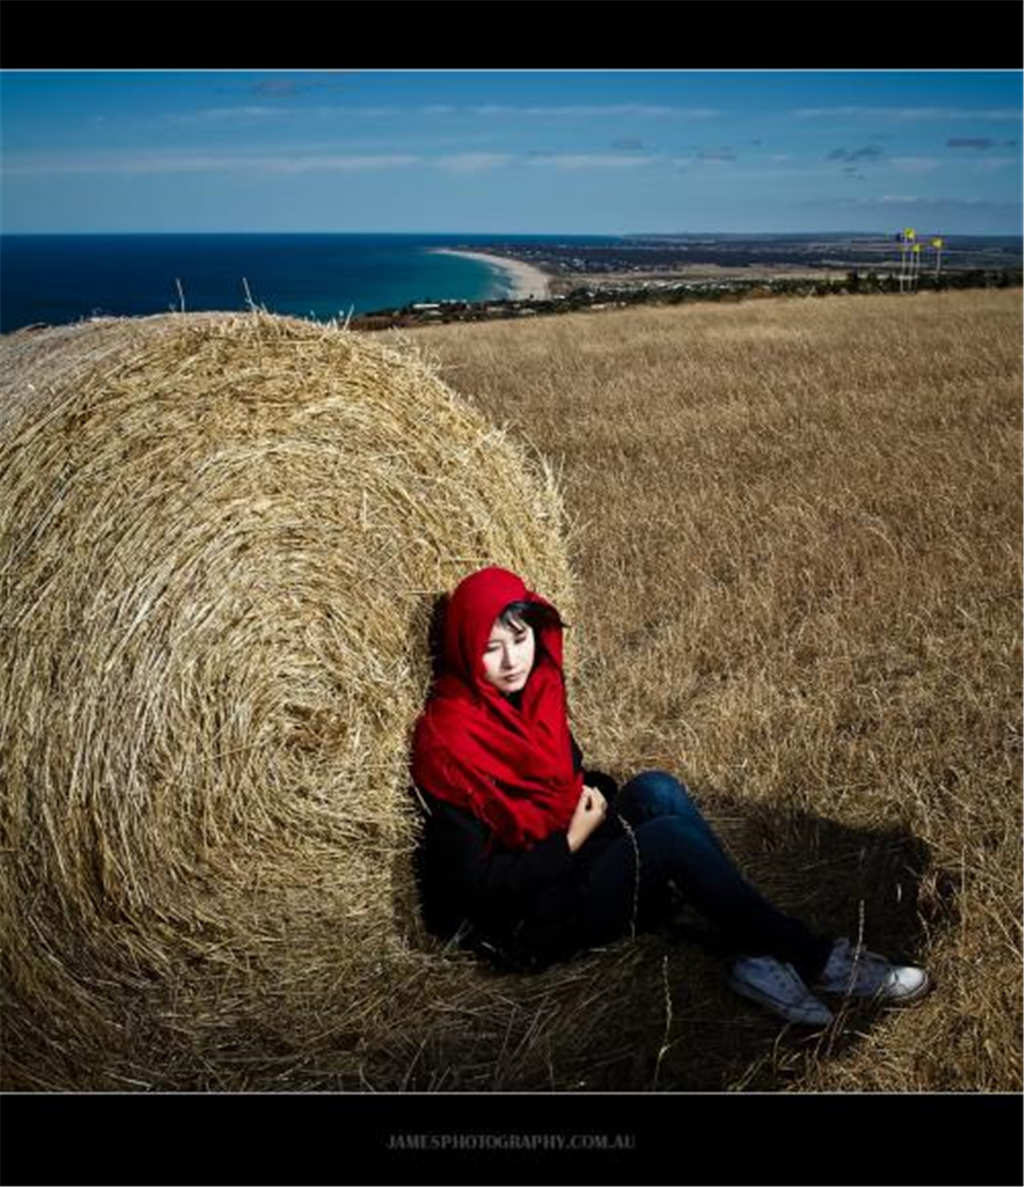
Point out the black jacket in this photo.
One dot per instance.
(521, 907)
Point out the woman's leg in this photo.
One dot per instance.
(647, 796)
(657, 793)
(675, 843)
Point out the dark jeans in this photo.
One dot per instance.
(676, 845)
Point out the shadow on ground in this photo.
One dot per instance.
(667, 989)
(668, 1020)
(877, 885)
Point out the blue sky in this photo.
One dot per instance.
(511, 152)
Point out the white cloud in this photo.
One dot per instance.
(215, 114)
(335, 163)
(307, 161)
(590, 160)
(555, 111)
(372, 112)
(914, 164)
(991, 163)
(598, 111)
(474, 162)
(910, 113)
(208, 163)
(929, 204)
(253, 112)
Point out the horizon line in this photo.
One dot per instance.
(1017, 234)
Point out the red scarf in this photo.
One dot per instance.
(511, 768)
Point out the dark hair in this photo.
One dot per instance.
(534, 614)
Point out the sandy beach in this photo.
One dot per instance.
(523, 280)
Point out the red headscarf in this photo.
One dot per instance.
(512, 768)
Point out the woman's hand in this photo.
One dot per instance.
(590, 811)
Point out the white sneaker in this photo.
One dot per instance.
(778, 987)
(859, 973)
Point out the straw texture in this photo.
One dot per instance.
(221, 539)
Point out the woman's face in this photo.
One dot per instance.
(508, 656)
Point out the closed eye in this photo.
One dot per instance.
(521, 638)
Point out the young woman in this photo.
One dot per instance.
(530, 857)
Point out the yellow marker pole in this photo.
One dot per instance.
(937, 244)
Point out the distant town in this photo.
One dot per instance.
(761, 255)
(674, 268)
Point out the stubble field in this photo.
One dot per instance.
(795, 528)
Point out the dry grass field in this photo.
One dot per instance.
(795, 527)
(794, 534)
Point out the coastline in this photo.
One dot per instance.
(523, 280)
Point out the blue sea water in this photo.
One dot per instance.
(61, 278)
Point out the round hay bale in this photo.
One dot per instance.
(221, 541)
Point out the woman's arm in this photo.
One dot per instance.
(605, 784)
(481, 874)
(590, 812)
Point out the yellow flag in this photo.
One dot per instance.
(936, 243)
(910, 233)
(917, 247)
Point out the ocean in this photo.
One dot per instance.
(61, 278)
